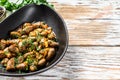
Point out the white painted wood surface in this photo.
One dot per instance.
(82, 63)
(91, 22)
(94, 32)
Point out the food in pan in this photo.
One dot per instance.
(29, 48)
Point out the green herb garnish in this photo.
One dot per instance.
(29, 59)
(14, 6)
(16, 61)
(6, 52)
(38, 48)
(24, 43)
(32, 47)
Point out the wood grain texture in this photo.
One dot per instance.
(82, 63)
(91, 22)
(94, 33)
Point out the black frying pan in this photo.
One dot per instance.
(36, 13)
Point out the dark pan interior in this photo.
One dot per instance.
(36, 13)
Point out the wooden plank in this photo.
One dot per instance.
(97, 32)
(91, 22)
(83, 63)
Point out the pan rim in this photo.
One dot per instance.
(52, 65)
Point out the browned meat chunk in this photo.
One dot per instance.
(43, 52)
(44, 33)
(27, 54)
(10, 65)
(22, 66)
(33, 68)
(13, 49)
(50, 54)
(2, 54)
(37, 24)
(51, 36)
(28, 29)
(20, 59)
(42, 62)
(2, 44)
(53, 43)
(43, 25)
(38, 56)
(15, 34)
(27, 24)
(4, 61)
(13, 41)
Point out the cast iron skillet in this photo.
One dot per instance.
(36, 13)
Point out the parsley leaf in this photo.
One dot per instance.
(10, 6)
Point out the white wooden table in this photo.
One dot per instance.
(94, 44)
